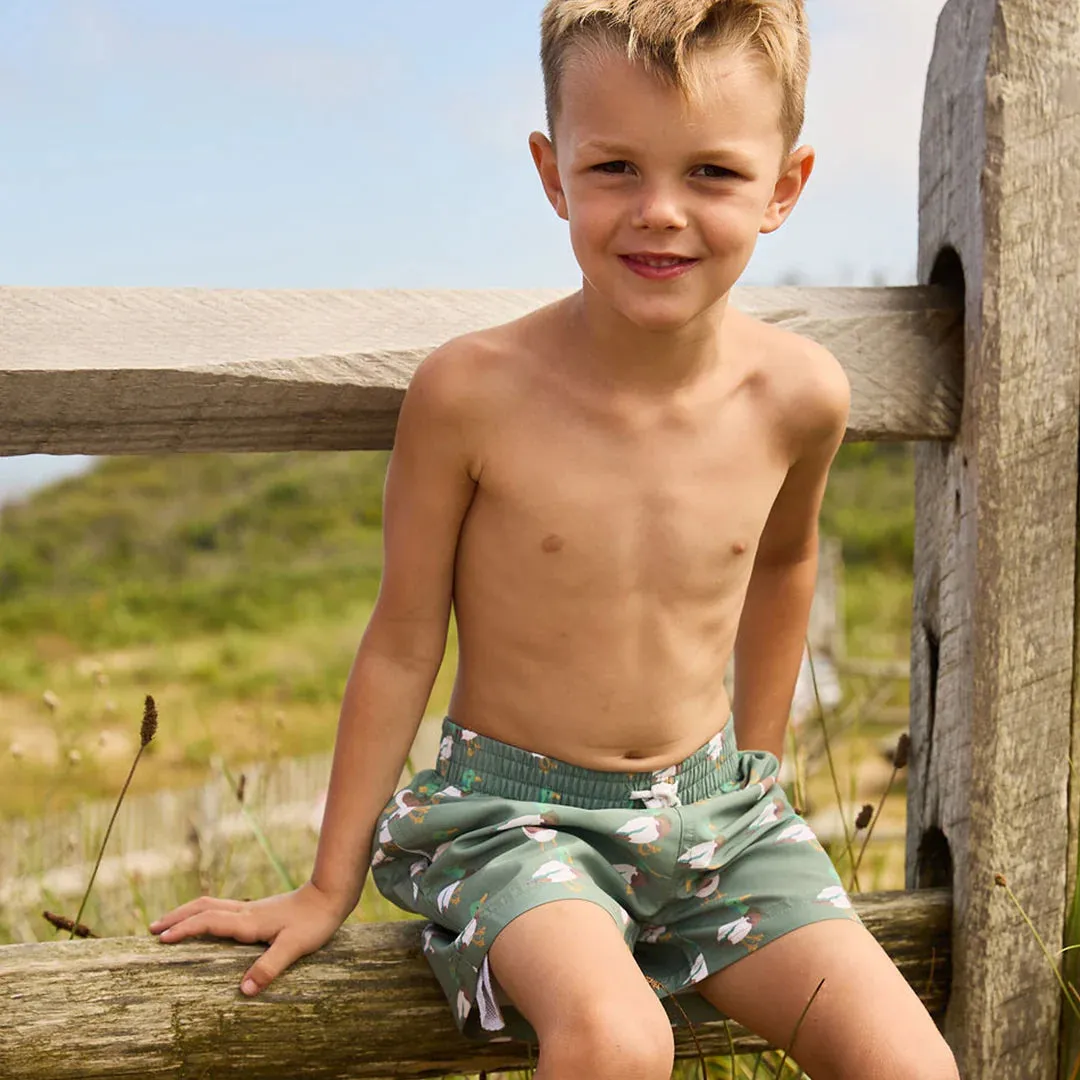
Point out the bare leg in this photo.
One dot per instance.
(865, 1024)
(565, 966)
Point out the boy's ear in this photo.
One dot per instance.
(543, 154)
(789, 187)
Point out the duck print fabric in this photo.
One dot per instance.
(698, 864)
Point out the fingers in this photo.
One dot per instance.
(193, 907)
(240, 925)
(284, 952)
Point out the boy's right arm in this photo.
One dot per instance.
(430, 484)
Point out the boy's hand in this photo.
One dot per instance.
(294, 924)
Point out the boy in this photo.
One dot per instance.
(614, 492)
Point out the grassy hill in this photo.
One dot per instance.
(235, 589)
(152, 549)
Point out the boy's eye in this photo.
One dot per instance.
(613, 168)
(716, 172)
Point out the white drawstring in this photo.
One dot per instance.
(659, 796)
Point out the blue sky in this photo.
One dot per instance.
(334, 144)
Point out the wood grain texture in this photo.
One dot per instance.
(993, 628)
(366, 1005)
(117, 371)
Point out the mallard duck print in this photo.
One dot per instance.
(799, 833)
(538, 827)
(769, 815)
(634, 876)
(700, 856)
(643, 832)
(739, 929)
(835, 895)
(555, 872)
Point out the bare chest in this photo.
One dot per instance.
(673, 510)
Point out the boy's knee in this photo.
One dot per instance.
(612, 1041)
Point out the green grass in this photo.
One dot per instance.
(155, 549)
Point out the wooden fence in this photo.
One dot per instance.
(980, 365)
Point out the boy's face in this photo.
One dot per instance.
(640, 173)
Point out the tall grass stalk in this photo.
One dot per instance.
(800, 789)
(275, 861)
(731, 1044)
(900, 760)
(1002, 883)
(1070, 965)
(832, 769)
(656, 984)
(146, 733)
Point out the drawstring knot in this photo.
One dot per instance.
(660, 796)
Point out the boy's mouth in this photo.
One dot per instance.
(657, 266)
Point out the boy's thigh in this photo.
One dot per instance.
(566, 967)
(866, 1021)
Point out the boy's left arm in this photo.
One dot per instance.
(776, 612)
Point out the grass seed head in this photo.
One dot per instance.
(149, 721)
(903, 751)
(866, 815)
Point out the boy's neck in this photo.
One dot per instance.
(652, 363)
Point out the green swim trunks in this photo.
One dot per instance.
(698, 864)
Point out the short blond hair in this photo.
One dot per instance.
(666, 35)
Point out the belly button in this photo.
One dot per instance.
(553, 544)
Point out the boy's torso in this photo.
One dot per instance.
(603, 562)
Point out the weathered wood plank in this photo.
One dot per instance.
(364, 1006)
(993, 628)
(107, 371)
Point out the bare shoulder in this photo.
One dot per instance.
(476, 371)
(804, 383)
(461, 392)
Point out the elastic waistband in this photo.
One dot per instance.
(480, 764)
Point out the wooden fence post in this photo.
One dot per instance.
(993, 627)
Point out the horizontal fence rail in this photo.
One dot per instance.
(125, 371)
(366, 1005)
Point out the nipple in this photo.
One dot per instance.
(739, 547)
(552, 544)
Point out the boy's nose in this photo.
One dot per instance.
(658, 210)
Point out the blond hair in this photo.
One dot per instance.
(667, 35)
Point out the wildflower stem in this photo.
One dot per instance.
(260, 836)
(105, 839)
(731, 1046)
(832, 771)
(658, 985)
(1000, 881)
(800, 790)
(873, 825)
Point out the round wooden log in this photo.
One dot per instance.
(364, 1006)
(123, 371)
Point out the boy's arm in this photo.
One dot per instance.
(430, 484)
(776, 612)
